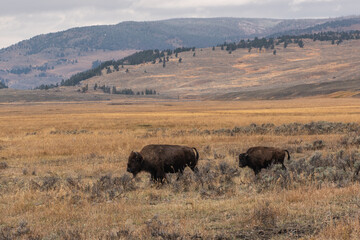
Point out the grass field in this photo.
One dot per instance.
(63, 170)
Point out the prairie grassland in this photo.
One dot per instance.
(63, 170)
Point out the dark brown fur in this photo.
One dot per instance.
(257, 158)
(161, 159)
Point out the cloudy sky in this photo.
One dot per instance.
(22, 19)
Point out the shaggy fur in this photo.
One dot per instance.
(161, 159)
(257, 158)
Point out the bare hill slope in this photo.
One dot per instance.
(213, 73)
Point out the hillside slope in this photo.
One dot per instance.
(48, 58)
(333, 89)
(212, 73)
(339, 25)
(162, 34)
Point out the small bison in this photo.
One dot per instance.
(257, 158)
(161, 159)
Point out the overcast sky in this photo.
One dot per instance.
(22, 19)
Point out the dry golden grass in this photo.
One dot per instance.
(58, 154)
(218, 72)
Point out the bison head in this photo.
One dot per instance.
(135, 163)
(243, 160)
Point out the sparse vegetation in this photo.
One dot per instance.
(3, 85)
(20, 70)
(334, 25)
(65, 174)
(124, 91)
(268, 43)
(316, 63)
(3, 165)
(134, 59)
(46, 87)
(152, 55)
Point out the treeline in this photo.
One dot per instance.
(20, 70)
(124, 91)
(27, 69)
(255, 43)
(3, 85)
(46, 86)
(114, 90)
(325, 27)
(334, 37)
(260, 43)
(134, 59)
(335, 24)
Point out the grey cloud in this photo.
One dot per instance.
(9, 7)
(267, 9)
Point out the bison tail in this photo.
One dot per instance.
(288, 154)
(196, 154)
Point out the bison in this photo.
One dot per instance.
(261, 157)
(161, 159)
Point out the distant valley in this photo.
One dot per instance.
(49, 58)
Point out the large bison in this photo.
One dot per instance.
(257, 158)
(161, 159)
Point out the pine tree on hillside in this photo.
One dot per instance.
(301, 43)
(84, 89)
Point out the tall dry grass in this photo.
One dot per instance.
(65, 174)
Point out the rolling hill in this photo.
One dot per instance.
(49, 58)
(318, 68)
(336, 26)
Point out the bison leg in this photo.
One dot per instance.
(283, 166)
(195, 169)
(180, 173)
(160, 175)
(156, 177)
(153, 176)
(256, 170)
